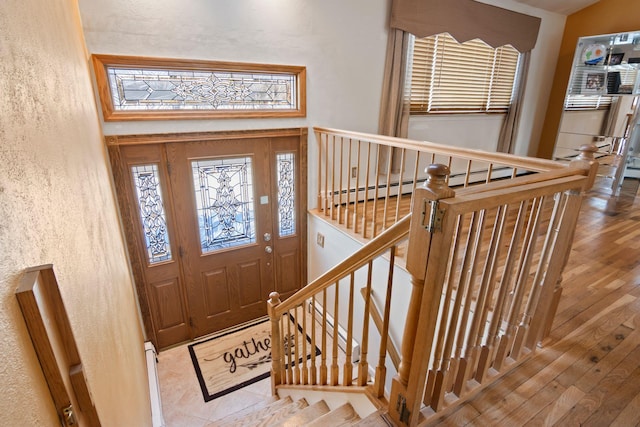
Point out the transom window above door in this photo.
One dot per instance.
(136, 88)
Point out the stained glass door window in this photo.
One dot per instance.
(152, 214)
(285, 163)
(224, 202)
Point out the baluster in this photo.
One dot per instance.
(400, 179)
(323, 357)
(320, 158)
(483, 307)
(467, 364)
(381, 369)
(447, 368)
(536, 286)
(363, 366)
(357, 192)
(489, 172)
(334, 363)
(276, 342)
(305, 368)
(468, 174)
(366, 192)
(326, 176)
(492, 341)
(391, 152)
(416, 167)
(289, 347)
(340, 182)
(346, 209)
(376, 194)
(507, 338)
(296, 348)
(314, 373)
(348, 364)
(460, 366)
(333, 178)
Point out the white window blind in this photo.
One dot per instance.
(471, 77)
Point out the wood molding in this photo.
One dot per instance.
(46, 319)
(163, 138)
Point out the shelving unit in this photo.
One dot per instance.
(601, 104)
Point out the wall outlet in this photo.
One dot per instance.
(320, 240)
(354, 172)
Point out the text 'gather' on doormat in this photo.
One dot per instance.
(238, 357)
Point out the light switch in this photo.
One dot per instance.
(264, 200)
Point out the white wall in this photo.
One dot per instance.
(482, 130)
(57, 207)
(342, 44)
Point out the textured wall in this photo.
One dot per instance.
(57, 206)
(604, 17)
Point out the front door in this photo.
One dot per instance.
(233, 230)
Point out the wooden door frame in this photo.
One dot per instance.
(121, 179)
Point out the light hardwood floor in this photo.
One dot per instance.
(587, 373)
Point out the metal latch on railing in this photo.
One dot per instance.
(435, 216)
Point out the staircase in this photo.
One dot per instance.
(289, 413)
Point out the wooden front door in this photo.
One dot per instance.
(216, 224)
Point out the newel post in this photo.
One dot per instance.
(586, 160)
(424, 219)
(276, 341)
(565, 230)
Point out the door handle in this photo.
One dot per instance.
(268, 249)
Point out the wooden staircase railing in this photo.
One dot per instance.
(381, 172)
(372, 263)
(485, 262)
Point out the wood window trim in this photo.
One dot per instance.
(102, 62)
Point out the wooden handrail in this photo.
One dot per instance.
(367, 253)
(531, 163)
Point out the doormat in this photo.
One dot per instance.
(237, 358)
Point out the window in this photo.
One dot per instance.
(473, 77)
(135, 88)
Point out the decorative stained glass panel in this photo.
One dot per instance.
(224, 202)
(153, 89)
(152, 214)
(286, 194)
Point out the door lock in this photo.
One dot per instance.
(267, 237)
(268, 249)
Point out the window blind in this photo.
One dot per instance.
(471, 77)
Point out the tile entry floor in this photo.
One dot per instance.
(182, 401)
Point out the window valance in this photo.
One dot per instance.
(466, 20)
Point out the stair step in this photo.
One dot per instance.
(344, 415)
(276, 418)
(252, 413)
(377, 419)
(307, 415)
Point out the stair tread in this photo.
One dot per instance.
(307, 414)
(276, 418)
(342, 416)
(252, 412)
(376, 419)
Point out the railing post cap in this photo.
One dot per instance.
(274, 298)
(587, 151)
(438, 170)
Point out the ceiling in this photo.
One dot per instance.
(565, 7)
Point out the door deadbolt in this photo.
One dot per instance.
(267, 237)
